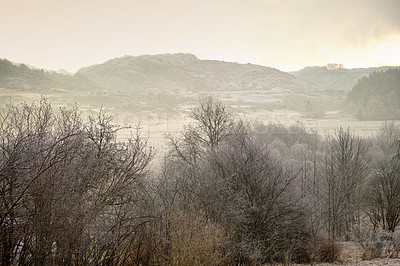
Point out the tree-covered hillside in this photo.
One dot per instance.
(334, 76)
(185, 72)
(377, 96)
(21, 77)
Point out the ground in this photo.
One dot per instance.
(351, 255)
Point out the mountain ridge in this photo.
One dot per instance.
(188, 73)
(182, 72)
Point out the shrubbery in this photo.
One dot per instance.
(226, 193)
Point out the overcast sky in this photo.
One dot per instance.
(287, 35)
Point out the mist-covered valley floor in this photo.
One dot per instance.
(158, 92)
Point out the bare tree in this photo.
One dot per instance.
(250, 193)
(383, 198)
(67, 190)
(346, 165)
(388, 135)
(213, 122)
(30, 152)
(238, 185)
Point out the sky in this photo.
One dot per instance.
(284, 34)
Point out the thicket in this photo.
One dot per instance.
(228, 192)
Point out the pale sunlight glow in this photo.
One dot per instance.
(385, 53)
(272, 33)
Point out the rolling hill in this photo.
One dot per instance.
(167, 81)
(185, 72)
(332, 77)
(23, 78)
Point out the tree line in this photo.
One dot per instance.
(228, 191)
(376, 97)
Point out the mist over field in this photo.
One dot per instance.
(199, 133)
(159, 91)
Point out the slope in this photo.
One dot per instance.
(331, 77)
(377, 96)
(185, 72)
(21, 77)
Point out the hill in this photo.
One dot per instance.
(21, 77)
(185, 72)
(377, 96)
(334, 76)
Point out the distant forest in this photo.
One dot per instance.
(376, 97)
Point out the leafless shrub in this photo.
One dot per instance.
(328, 251)
(67, 188)
(372, 242)
(186, 239)
(393, 245)
(237, 184)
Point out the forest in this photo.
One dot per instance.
(376, 97)
(227, 192)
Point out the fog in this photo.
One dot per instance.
(158, 92)
(74, 34)
(199, 132)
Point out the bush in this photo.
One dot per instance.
(328, 251)
(372, 242)
(191, 240)
(70, 192)
(393, 245)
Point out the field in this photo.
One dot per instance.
(155, 117)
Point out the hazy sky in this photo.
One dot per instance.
(286, 35)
